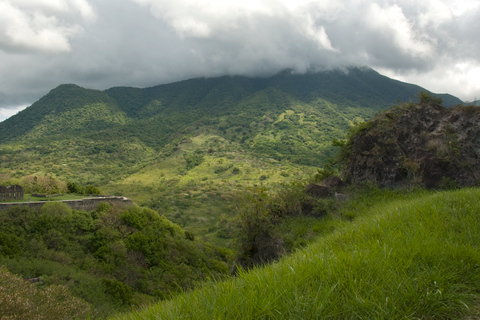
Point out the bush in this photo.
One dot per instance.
(254, 220)
(119, 291)
(43, 185)
(72, 187)
(425, 98)
(20, 299)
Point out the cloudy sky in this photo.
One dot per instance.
(99, 44)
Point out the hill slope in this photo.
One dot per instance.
(415, 258)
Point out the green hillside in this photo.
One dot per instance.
(403, 257)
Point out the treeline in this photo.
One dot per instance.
(113, 258)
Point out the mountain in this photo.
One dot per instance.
(362, 89)
(152, 114)
(95, 137)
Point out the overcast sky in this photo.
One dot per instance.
(99, 44)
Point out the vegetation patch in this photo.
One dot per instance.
(112, 258)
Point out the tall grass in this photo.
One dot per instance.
(406, 259)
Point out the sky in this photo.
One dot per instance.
(99, 44)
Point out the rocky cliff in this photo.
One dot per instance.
(416, 144)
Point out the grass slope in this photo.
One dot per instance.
(401, 259)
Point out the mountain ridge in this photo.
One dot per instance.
(348, 88)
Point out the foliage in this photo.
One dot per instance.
(259, 211)
(79, 189)
(43, 184)
(425, 97)
(449, 184)
(194, 159)
(254, 220)
(113, 258)
(93, 137)
(327, 170)
(185, 149)
(20, 299)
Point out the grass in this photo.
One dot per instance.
(414, 258)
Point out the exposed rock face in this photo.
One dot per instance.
(318, 190)
(426, 145)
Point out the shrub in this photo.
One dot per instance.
(119, 291)
(43, 185)
(56, 209)
(78, 189)
(425, 98)
(449, 184)
(253, 221)
(20, 299)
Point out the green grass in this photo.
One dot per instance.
(414, 258)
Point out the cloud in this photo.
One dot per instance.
(100, 44)
(38, 26)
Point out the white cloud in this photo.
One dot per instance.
(39, 26)
(215, 18)
(391, 24)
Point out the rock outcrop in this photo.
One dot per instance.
(426, 145)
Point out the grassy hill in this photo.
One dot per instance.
(405, 256)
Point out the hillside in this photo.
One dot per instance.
(403, 257)
(113, 258)
(224, 163)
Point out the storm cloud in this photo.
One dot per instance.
(105, 43)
